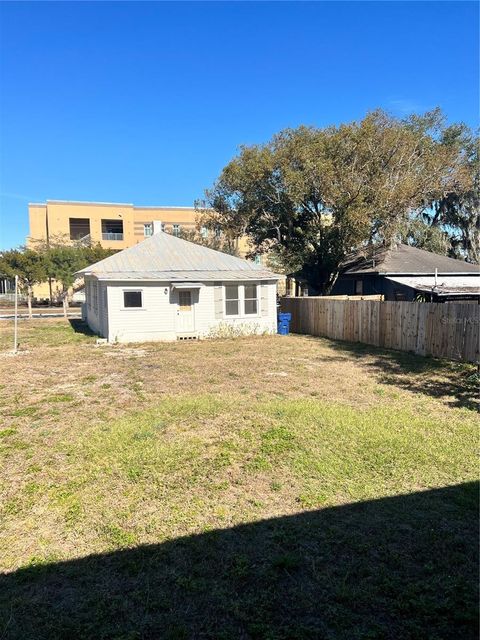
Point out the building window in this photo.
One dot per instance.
(258, 259)
(218, 232)
(204, 232)
(359, 287)
(132, 299)
(148, 229)
(251, 299)
(231, 300)
(112, 229)
(176, 229)
(79, 228)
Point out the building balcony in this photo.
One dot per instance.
(112, 236)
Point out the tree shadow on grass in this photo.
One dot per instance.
(79, 326)
(400, 568)
(456, 382)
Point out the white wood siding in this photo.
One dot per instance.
(94, 313)
(156, 320)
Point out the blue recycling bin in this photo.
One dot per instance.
(284, 323)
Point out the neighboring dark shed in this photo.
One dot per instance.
(404, 273)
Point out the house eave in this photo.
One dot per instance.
(410, 273)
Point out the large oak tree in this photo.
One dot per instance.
(310, 196)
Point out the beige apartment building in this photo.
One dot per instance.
(112, 225)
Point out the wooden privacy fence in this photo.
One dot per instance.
(448, 330)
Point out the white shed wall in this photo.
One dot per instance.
(157, 319)
(96, 306)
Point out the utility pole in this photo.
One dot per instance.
(15, 322)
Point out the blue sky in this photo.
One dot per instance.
(146, 102)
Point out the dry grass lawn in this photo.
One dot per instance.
(275, 487)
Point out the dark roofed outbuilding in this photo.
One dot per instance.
(403, 272)
(403, 259)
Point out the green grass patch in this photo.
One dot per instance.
(5, 433)
(46, 333)
(179, 454)
(61, 397)
(337, 501)
(25, 411)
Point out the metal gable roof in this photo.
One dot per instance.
(164, 256)
(185, 276)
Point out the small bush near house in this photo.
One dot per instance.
(238, 330)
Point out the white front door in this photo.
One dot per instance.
(185, 312)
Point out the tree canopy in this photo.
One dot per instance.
(310, 196)
(58, 262)
(30, 267)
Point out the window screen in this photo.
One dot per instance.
(132, 299)
(231, 300)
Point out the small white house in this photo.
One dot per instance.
(166, 288)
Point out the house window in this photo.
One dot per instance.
(359, 287)
(185, 300)
(204, 232)
(231, 300)
(218, 232)
(257, 259)
(176, 229)
(148, 229)
(132, 299)
(251, 300)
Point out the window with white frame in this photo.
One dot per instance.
(232, 300)
(176, 229)
(148, 229)
(204, 232)
(132, 299)
(251, 299)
